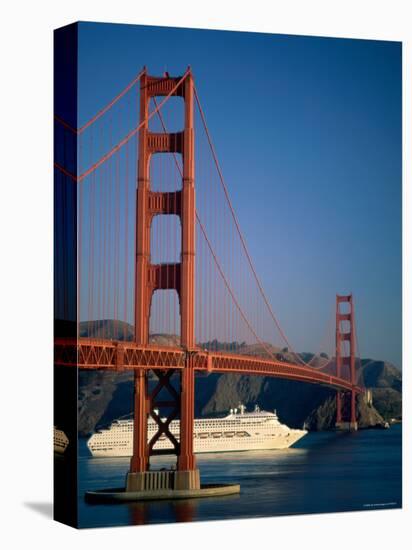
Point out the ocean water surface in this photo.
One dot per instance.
(324, 472)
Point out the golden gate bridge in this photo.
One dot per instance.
(159, 246)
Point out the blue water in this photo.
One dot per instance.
(324, 472)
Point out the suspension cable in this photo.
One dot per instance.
(100, 113)
(262, 292)
(220, 269)
(125, 140)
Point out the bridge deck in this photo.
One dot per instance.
(91, 353)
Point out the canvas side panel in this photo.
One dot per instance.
(65, 270)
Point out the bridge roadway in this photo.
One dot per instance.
(102, 354)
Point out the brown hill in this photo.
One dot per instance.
(105, 396)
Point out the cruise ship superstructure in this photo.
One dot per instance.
(238, 431)
(60, 441)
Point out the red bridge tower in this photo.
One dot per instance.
(345, 359)
(151, 277)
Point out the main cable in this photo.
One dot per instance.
(262, 292)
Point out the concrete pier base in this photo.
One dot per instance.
(121, 495)
(346, 426)
(187, 480)
(161, 485)
(163, 480)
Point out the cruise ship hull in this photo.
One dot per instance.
(236, 432)
(214, 446)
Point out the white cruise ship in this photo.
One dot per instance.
(60, 441)
(238, 431)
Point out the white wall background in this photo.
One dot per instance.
(26, 269)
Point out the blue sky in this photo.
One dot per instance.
(308, 133)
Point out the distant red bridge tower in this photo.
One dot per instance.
(345, 332)
(151, 277)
